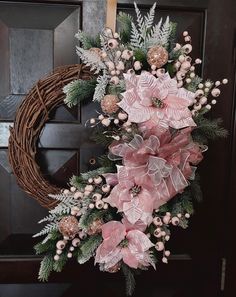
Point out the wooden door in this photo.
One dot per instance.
(202, 261)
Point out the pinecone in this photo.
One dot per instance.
(96, 50)
(109, 104)
(95, 227)
(114, 268)
(157, 56)
(69, 226)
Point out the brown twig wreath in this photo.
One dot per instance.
(30, 118)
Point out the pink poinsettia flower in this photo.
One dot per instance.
(122, 243)
(157, 101)
(164, 166)
(132, 197)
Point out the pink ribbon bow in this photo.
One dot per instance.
(162, 168)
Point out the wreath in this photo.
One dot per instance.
(31, 117)
(154, 127)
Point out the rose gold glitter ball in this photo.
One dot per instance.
(68, 226)
(157, 56)
(96, 50)
(109, 104)
(114, 268)
(95, 227)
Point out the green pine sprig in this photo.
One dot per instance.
(88, 247)
(87, 41)
(46, 267)
(129, 279)
(208, 129)
(78, 91)
(60, 263)
(125, 26)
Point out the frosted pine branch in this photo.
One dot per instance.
(46, 267)
(148, 20)
(135, 40)
(140, 20)
(165, 32)
(47, 229)
(100, 90)
(90, 59)
(64, 207)
(154, 37)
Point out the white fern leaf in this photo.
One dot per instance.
(149, 18)
(143, 29)
(165, 32)
(90, 59)
(49, 218)
(154, 37)
(61, 197)
(47, 229)
(100, 90)
(140, 20)
(135, 39)
(64, 208)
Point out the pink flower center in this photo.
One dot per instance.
(124, 243)
(158, 102)
(135, 190)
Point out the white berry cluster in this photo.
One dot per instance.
(162, 232)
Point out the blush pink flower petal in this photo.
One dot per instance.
(135, 206)
(142, 90)
(135, 252)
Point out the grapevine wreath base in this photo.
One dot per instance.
(30, 119)
(154, 129)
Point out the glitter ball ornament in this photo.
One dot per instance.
(109, 104)
(95, 227)
(96, 50)
(157, 56)
(68, 226)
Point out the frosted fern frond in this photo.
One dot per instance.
(47, 229)
(140, 33)
(160, 34)
(100, 90)
(165, 32)
(90, 59)
(64, 207)
(140, 19)
(149, 18)
(154, 37)
(49, 218)
(61, 197)
(135, 40)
